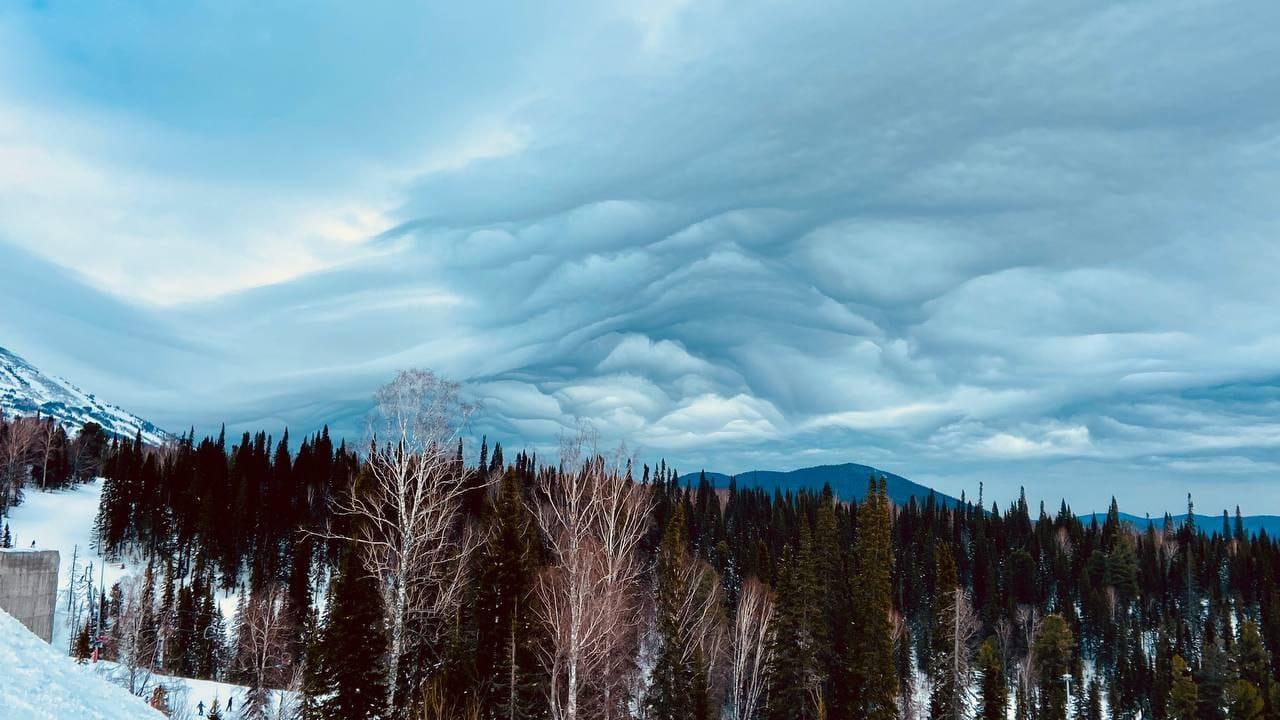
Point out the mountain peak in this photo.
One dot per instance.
(847, 480)
(25, 391)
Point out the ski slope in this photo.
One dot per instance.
(39, 683)
(63, 520)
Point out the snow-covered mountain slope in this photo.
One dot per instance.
(24, 390)
(39, 683)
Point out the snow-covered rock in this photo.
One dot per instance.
(39, 683)
(24, 390)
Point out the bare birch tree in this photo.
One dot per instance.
(953, 667)
(593, 519)
(263, 648)
(46, 433)
(907, 706)
(406, 514)
(752, 649)
(699, 628)
(18, 439)
(133, 640)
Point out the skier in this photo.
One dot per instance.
(200, 708)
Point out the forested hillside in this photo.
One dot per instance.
(400, 579)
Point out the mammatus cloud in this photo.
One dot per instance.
(1018, 246)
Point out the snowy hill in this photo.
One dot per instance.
(39, 683)
(24, 390)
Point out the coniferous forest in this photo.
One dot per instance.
(408, 578)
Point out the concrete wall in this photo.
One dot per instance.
(29, 588)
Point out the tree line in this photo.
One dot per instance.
(405, 581)
(38, 452)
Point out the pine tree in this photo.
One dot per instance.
(356, 645)
(1244, 702)
(993, 691)
(1184, 698)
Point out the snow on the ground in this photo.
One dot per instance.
(63, 520)
(191, 699)
(39, 683)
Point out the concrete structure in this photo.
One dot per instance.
(29, 588)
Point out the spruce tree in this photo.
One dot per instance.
(795, 665)
(508, 630)
(947, 701)
(1093, 704)
(673, 695)
(876, 674)
(315, 678)
(83, 649)
(355, 639)
(1214, 676)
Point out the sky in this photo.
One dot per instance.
(1019, 244)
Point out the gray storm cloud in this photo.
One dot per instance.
(1019, 245)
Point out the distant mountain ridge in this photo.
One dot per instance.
(26, 391)
(1209, 523)
(848, 481)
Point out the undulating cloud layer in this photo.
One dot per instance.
(1028, 244)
